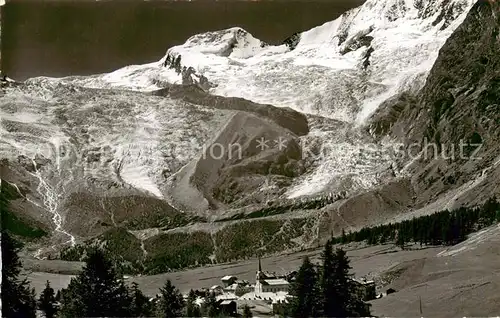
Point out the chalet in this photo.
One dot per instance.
(390, 291)
(240, 287)
(365, 289)
(228, 308)
(228, 280)
(217, 289)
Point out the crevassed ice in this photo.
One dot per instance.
(326, 74)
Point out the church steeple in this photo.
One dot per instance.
(258, 277)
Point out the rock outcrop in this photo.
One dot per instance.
(457, 113)
(248, 153)
(292, 41)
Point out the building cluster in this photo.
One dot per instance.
(270, 290)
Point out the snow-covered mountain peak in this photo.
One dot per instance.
(430, 11)
(232, 42)
(378, 16)
(342, 69)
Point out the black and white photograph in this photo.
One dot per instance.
(250, 158)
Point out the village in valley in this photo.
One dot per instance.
(268, 295)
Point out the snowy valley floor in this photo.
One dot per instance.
(461, 280)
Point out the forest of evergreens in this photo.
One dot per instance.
(441, 228)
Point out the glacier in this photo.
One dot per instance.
(341, 70)
(325, 73)
(110, 129)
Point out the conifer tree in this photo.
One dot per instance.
(400, 241)
(171, 301)
(47, 301)
(192, 309)
(350, 304)
(340, 284)
(338, 292)
(328, 301)
(98, 291)
(304, 300)
(343, 238)
(18, 299)
(211, 308)
(140, 305)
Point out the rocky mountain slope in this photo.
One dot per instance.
(80, 172)
(457, 110)
(232, 147)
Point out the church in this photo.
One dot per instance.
(269, 283)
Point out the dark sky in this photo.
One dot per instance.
(59, 38)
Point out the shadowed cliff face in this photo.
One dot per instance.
(459, 104)
(80, 38)
(462, 91)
